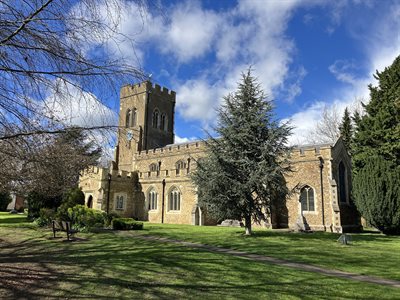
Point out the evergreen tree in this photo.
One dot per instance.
(376, 147)
(346, 129)
(243, 175)
(376, 189)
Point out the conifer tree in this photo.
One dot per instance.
(346, 129)
(243, 174)
(376, 153)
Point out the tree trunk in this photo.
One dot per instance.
(247, 225)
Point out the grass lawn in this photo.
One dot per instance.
(112, 265)
(369, 254)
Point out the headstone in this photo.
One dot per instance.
(231, 223)
(344, 239)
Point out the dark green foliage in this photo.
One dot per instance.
(346, 129)
(376, 149)
(109, 217)
(46, 215)
(84, 218)
(244, 172)
(379, 205)
(5, 199)
(126, 224)
(378, 131)
(37, 201)
(73, 197)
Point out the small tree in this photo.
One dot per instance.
(244, 171)
(346, 129)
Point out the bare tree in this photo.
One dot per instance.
(327, 129)
(55, 53)
(46, 49)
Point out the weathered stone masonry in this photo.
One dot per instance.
(150, 175)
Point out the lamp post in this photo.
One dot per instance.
(108, 194)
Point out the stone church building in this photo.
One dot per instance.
(149, 177)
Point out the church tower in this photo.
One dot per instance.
(146, 121)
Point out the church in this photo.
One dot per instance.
(149, 178)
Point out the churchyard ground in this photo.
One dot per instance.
(119, 265)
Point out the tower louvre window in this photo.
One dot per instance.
(128, 118)
(163, 122)
(134, 117)
(156, 119)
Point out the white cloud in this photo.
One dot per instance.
(381, 42)
(182, 140)
(191, 31)
(74, 107)
(341, 70)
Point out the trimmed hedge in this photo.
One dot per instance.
(126, 224)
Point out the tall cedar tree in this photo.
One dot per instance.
(346, 129)
(243, 175)
(377, 136)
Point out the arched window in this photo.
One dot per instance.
(342, 183)
(163, 122)
(152, 198)
(134, 117)
(174, 199)
(307, 198)
(128, 118)
(156, 120)
(180, 165)
(119, 203)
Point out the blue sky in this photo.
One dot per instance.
(306, 54)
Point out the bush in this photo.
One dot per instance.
(84, 218)
(108, 218)
(46, 215)
(376, 189)
(73, 197)
(126, 224)
(5, 199)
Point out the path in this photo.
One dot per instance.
(276, 261)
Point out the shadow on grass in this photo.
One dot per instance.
(111, 266)
(13, 219)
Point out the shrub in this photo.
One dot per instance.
(73, 197)
(377, 194)
(108, 218)
(5, 199)
(84, 218)
(46, 215)
(126, 224)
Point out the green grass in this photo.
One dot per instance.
(369, 254)
(119, 266)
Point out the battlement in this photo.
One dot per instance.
(172, 149)
(146, 86)
(310, 150)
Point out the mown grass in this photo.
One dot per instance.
(111, 265)
(369, 253)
